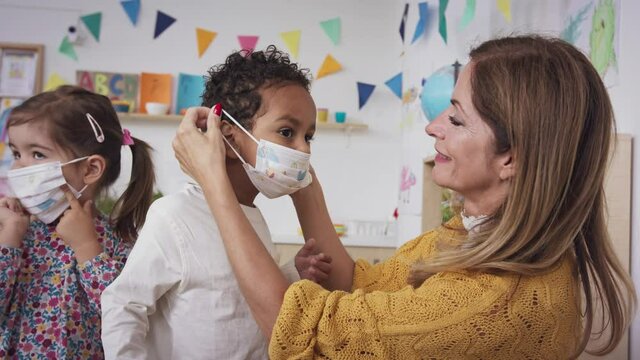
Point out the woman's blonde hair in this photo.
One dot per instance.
(546, 104)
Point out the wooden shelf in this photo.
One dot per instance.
(176, 118)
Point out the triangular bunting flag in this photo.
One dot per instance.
(333, 30)
(54, 82)
(442, 19)
(132, 8)
(395, 84)
(163, 21)
(364, 92)
(505, 8)
(292, 41)
(468, 15)
(92, 22)
(66, 48)
(204, 37)
(422, 22)
(247, 42)
(403, 22)
(329, 66)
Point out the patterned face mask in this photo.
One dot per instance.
(279, 170)
(38, 189)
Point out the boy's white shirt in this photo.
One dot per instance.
(177, 297)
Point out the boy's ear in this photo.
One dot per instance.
(229, 131)
(96, 166)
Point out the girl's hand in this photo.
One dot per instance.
(76, 227)
(197, 147)
(14, 222)
(312, 264)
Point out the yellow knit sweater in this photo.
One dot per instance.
(453, 315)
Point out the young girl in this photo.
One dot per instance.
(177, 297)
(57, 252)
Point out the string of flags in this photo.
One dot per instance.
(291, 39)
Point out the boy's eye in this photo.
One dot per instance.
(286, 132)
(16, 155)
(308, 138)
(38, 155)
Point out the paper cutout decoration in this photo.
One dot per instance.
(6, 104)
(66, 48)
(442, 19)
(505, 8)
(403, 22)
(132, 8)
(248, 42)
(468, 15)
(190, 89)
(333, 29)
(154, 88)
(422, 22)
(115, 86)
(93, 22)
(292, 40)
(54, 81)
(572, 32)
(329, 66)
(163, 21)
(395, 84)
(364, 93)
(204, 38)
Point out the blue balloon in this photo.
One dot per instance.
(437, 91)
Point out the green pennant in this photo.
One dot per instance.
(92, 22)
(332, 28)
(66, 48)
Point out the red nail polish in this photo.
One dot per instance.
(217, 109)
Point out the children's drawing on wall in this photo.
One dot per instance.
(6, 156)
(407, 182)
(116, 86)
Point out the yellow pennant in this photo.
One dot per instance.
(54, 82)
(205, 37)
(292, 41)
(329, 66)
(505, 8)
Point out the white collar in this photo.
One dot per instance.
(471, 222)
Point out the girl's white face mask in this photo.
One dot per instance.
(279, 170)
(38, 189)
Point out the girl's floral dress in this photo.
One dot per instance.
(50, 304)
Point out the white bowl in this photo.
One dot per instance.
(156, 108)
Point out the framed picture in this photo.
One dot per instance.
(20, 69)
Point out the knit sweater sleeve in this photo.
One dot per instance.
(399, 324)
(392, 273)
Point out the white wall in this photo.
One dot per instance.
(359, 173)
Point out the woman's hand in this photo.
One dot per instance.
(14, 222)
(198, 143)
(77, 229)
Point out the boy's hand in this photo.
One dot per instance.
(77, 229)
(311, 264)
(14, 222)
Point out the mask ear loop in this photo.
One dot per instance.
(95, 126)
(240, 126)
(234, 150)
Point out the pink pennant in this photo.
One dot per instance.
(248, 42)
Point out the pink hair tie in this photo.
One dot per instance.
(126, 137)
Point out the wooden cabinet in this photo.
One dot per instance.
(618, 193)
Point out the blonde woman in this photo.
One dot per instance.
(526, 142)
